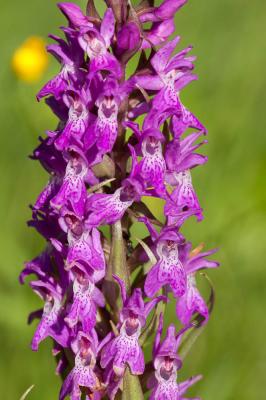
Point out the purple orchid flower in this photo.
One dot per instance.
(169, 74)
(168, 270)
(164, 11)
(71, 58)
(180, 158)
(73, 188)
(50, 158)
(168, 8)
(166, 364)
(180, 155)
(86, 299)
(128, 38)
(41, 266)
(192, 302)
(104, 130)
(125, 348)
(86, 249)
(100, 174)
(162, 18)
(107, 125)
(159, 33)
(183, 198)
(171, 77)
(50, 190)
(152, 167)
(78, 120)
(51, 323)
(96, 45)
(109, 208)
(84, 246)
(85, 348)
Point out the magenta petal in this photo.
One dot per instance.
(152, 284)
(160, 59)
(73, 13)
(189, 304)
(108, 26)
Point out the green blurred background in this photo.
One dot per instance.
(229, 39)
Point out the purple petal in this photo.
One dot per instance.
(108, 26)
(168, 8)
(74, 14)
(160, 59)
(152, 284)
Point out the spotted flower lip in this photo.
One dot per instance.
(87, 250)
(168, 270)
(122, 140)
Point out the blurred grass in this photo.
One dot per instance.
(230, 99)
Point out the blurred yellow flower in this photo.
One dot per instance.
(30, 60)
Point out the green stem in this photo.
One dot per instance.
(117, 265)
(131, 387)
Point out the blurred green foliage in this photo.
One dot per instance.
(230, 99)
